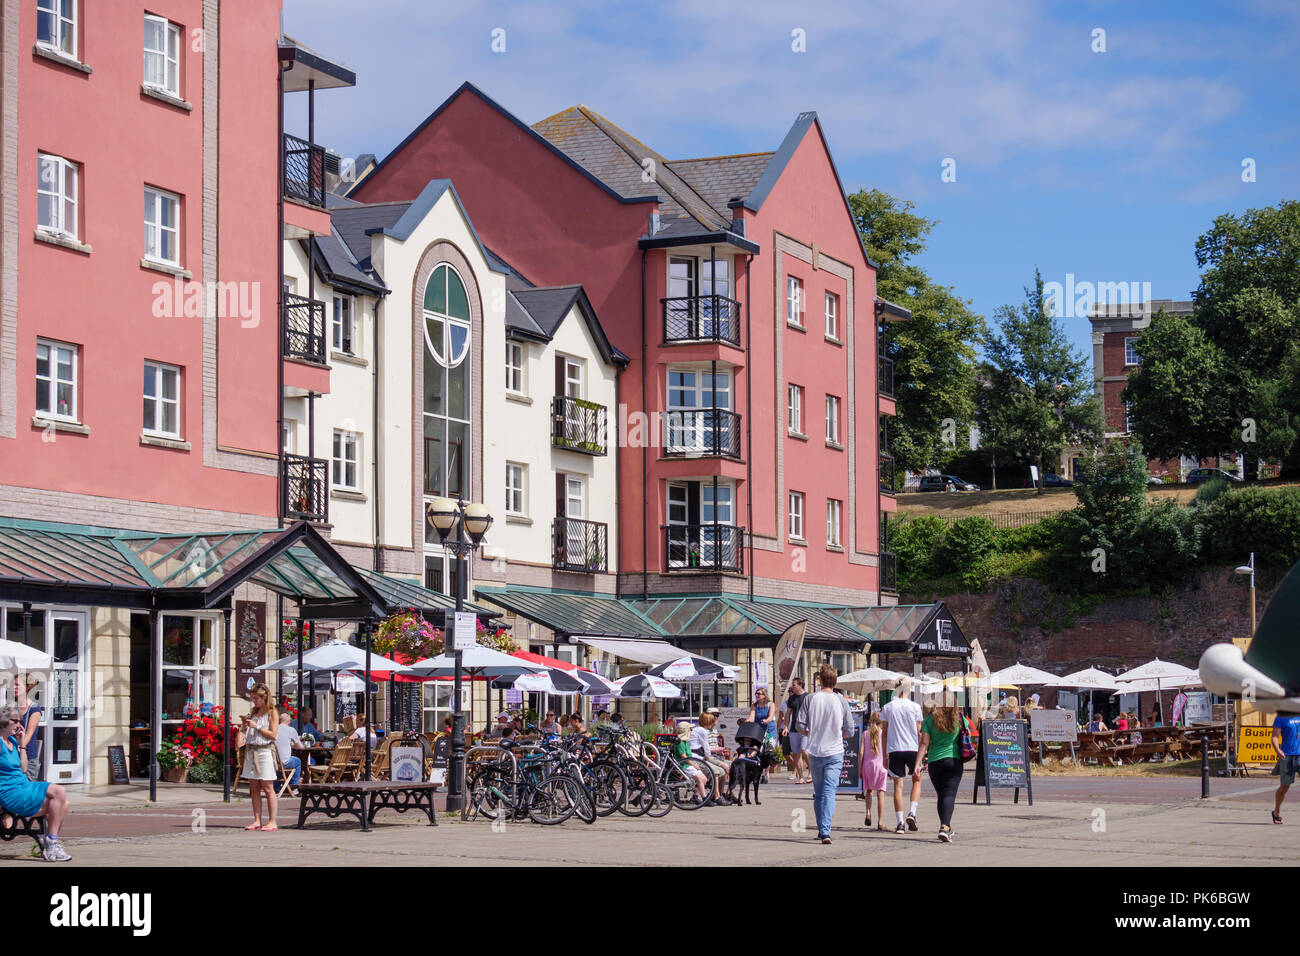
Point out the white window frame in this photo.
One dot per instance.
(572, 382)
(170, 57)
(1128, 418)
(832, 419)
(160, 400)
(794, 409)
(834, 513)
(794, 300)
(1130, 353)
(208, 667)
(516, 493)
(795, 501)
(156, 199)
(833, 315)
(65, 27)
(51, 382)
(343, 442)
(347, 305)
(64, 190)
(515, 359)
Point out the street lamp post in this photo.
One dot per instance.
(461, 527)
(1229, 768)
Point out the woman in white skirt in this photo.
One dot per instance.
(257, 733)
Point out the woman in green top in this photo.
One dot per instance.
(941, 747)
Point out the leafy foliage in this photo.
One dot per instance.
(967, 541)
(1263, 520)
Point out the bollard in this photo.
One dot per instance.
(1205, 768)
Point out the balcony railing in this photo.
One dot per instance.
(886, 376)
(580, 545)
(887, 473)
(705, 547)
(889, 572)
(306, 487)
(304, 171)
(701, 318)
(578, 425)
(304, 328)
(701, 431)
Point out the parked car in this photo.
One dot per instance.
(1051, 481)
(945, 483)
(1198, 475)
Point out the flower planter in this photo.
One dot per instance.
(174, 774)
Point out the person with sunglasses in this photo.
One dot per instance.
(27, 798)
(549, 726)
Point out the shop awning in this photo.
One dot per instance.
(44, 562)
(649, 652)
(694, 621)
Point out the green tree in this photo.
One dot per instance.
(1228, 379)
(933, 351)
(1037, 395)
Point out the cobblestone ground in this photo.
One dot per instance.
(1080, 821)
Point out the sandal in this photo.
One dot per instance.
(253, 826)
(1277, 817)
(268, 829)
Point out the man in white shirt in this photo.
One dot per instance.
(825, 719)
(901, 725)
(285, 738)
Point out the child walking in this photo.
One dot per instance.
(874, 776)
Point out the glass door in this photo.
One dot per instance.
(715, 279)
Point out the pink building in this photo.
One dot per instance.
(750, 460)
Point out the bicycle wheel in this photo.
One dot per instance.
(584, 806)
(661, 803)
(552, 801)
(640, 790)
(609, 786)
(685, 796)
(484, 790)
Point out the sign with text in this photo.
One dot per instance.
(729, 718)
(941, 637)
(1198, 709)
(117, 770)
(462, 625)
(851, 769)
(407, 764)
(1057, 726)
(1255, 745)
(1002, 760)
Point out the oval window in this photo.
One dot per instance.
(446, 317)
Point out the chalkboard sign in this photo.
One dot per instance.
(117, 770)
(441, 759)
(666, 740)
(851, 770)
(1003, 759)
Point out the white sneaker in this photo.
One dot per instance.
(945, 836)
(54, 852)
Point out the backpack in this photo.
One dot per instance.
(970, 739)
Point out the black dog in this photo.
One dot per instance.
(747, 771)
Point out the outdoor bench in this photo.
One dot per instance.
(364, 798)
(13, 826)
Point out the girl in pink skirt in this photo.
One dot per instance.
(874, 776)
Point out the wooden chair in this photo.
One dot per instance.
(286, 775)
(381, 758)
(334, 770)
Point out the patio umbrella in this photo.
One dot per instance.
(336, 656)
(19, 657)
(692, 668)
(479, 661)
(552, 680)
(644, 686)
(1090, 678)
(340, 682)
(1022, 674)
(868, 680)
(1163, 673)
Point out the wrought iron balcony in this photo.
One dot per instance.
(701, 318)
(306, 487)
(704, 547)
(701, 431)
(578, 425)
(304, 171)
(304, 328)
(886, 473)
(886, 376)
(580, 545)
(889, 572)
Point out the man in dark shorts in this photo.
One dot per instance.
(798, 754)
(901, 725)
(1286, 741)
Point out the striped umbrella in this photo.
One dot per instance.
(692, 668)
(645, 687)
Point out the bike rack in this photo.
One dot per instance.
(498, 750)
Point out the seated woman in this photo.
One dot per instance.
(27, 798)
(362, 730)
(702, 747)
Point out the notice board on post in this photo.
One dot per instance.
(1003, 759)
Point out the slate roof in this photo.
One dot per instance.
(548, 307)
(352, 222)
(337, 265)
(720, 179)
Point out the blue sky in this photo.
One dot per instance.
(1104, 165)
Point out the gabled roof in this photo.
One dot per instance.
(415, 211)
(354, 223)
(545, 308)
(618, 158)
(720, 179)
(468, 87)
(337, 266)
